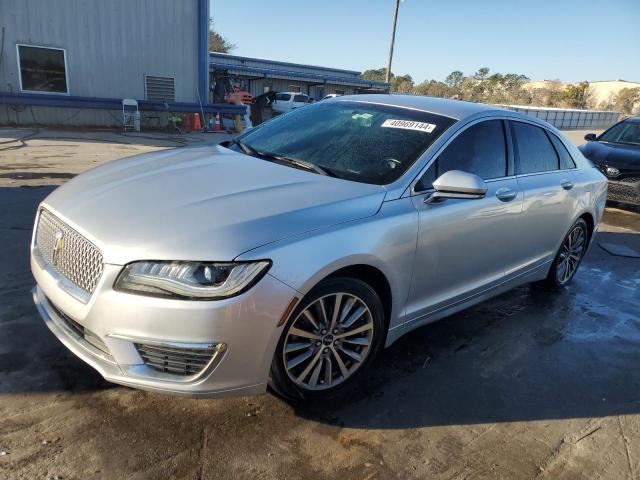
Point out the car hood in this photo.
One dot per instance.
(203, 203)
(623, 157)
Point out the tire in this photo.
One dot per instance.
(558, 277)
(305, 368)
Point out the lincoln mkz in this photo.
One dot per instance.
(291, 255)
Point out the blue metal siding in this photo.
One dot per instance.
(100, 103)
(110, 46)
(203, 50)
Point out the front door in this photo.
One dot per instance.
(465, 246)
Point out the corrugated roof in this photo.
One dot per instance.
(290, 74)
(224, 56)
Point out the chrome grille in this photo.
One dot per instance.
(176, 361)
(625, 190)
(75, 257)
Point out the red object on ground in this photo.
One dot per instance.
(186, 121)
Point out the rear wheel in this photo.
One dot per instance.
(331, 337)
(569, 256)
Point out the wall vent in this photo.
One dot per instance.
(159, 88)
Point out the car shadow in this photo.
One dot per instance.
(528, 354)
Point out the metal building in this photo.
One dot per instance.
(71, 62)
(259, 76)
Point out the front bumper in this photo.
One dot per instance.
(242, 333)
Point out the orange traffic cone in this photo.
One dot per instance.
(196, 122)
(217, 126)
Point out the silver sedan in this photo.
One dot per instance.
(293, 254)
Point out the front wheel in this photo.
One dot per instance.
(569, 256)
(330, 338)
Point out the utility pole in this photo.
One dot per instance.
(393, 38)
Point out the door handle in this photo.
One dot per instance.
(506, 194)
(566, 184)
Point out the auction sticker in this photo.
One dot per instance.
(409, 125)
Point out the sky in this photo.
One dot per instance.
(570, 40)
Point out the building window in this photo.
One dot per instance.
(42, 69)
(159, 88)
(338, 92)
(295, 88)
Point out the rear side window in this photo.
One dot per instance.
(283, 96)
(535, 153)
(566, 161)
(300, 98)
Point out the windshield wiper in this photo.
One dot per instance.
(244, 147)
(295, 162)
(249, 150)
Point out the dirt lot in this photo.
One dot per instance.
(528, 385)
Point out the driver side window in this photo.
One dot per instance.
(480, 149)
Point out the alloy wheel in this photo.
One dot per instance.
(571, 252)
(328, 341)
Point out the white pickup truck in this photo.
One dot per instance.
(287, 101)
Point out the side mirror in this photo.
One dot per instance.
(457, 184)
(590, 137)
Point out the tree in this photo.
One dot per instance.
(217, 43)
(398, 83)
(482, 73)
(628, 100)
(402, 84)
(434, 88)
(375, 75)
(454, 81)
(576, 96)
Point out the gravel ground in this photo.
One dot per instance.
(527, 385)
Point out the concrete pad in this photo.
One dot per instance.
(531, 384)
(49, 157)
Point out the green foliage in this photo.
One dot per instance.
(509, 88)
(217, 43)
(576, 96)
(454, 81)
(628, 100)
(399, 83)
(376, 75)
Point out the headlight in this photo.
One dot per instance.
(195, 280)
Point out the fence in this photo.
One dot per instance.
(568, 119)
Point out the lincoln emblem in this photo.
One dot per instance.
(57, 247)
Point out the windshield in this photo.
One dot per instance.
(351, 140)
(624, 132)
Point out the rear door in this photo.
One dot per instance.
(465, 245)
(299, 100)
(545, 177)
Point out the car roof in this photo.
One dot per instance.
(632, 119)
(456, 109)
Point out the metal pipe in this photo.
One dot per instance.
(393, 38)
